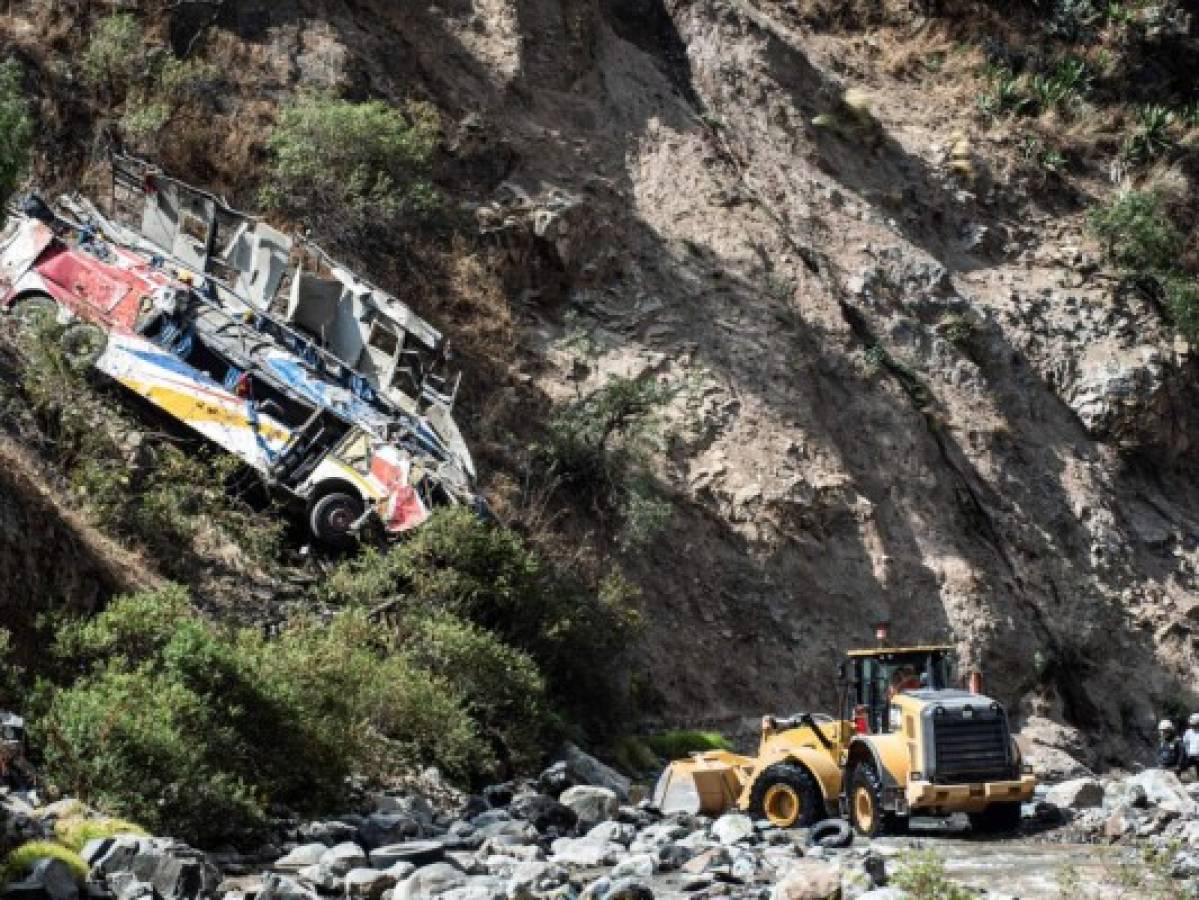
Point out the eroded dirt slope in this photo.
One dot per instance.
(911, 391)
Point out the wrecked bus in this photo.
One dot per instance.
(327, 386)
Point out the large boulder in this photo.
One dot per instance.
(583, 768)
(809, 880)
(591, 805)
(1077, 793)
(379, 829)
(176, 871)
(50, 879)
(1162, 786)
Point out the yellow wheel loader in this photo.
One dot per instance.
(905, 744)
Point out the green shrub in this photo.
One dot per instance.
(20, 861)
(1181, 294)
(74, 832)
(1136, 234)
(16, 133)
(353, 170)
(501, 686)
(633, 755)
(922, 874)
(1151, 136)
(599, 447)
(485, 575)
(193, 729)
(679, 743)
(115, 55)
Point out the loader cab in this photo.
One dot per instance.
(869, 679)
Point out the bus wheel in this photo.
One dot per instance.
(331, 517)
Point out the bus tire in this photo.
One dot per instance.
(330, 519)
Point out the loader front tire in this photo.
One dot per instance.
(787, 796)
(866, 804)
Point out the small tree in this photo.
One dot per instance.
(16, 132)
(115, 56)
(353, 170)
(599, 446)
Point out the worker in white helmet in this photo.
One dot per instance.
(1190, 745)
(1169, 749)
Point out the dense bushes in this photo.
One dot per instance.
(486, 576)
(161, 716)
(16, 133)
(154, 713)
(1138, 236)
(353, 170)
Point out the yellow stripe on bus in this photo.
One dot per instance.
(188, 408)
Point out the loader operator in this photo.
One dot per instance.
(904, 679)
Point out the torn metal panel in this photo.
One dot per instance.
(370, 332)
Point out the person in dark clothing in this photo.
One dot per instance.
(1170, 753)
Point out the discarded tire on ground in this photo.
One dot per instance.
(831, 833)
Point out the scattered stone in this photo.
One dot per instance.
(414, 853)
(640, 866)
(591, 805)
(343, 857)
(429, 881)
(544, 813)
(327, 833)
(1162, 786)
(732, 827)
(280, 887)
(584, 852)
(1077, 793)
(368, 883)
(618, 832)
(498, 795)
(301, 856)
(809, 880)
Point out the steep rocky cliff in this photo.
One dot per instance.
(910, 387)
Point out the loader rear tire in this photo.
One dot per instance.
(787, 796)
(998, 818)
(866, 804)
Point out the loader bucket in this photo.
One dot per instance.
(706, 783)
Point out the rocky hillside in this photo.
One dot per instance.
(907, 384)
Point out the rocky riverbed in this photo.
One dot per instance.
(576, 834)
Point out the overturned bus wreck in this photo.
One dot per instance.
(332, 389)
